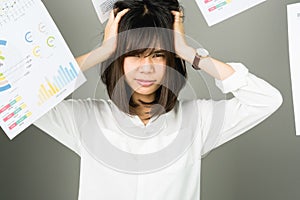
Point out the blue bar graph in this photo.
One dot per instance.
(64, 76)
(56, 83)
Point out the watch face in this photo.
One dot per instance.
(202, 52)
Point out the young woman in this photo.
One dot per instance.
(144, 143)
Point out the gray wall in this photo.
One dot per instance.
(262, 164)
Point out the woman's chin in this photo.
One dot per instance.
(144, 92)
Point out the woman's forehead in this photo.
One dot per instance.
(147, 46)
(146, 40)
(147, 51)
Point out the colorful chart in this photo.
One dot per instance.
(2, 43)
(14, 113)
(65, 75)
(4, 85)
(215, 5)
(37, 69)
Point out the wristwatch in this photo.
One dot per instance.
(200, 54)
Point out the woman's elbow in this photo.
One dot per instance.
(277, 100)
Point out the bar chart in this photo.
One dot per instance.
(53, 86)
(35, 64)
(14, 113)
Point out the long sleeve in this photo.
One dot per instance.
(254, 100)
(62, 123)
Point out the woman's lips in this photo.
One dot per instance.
(145, 83)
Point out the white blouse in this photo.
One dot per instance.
(121, 158)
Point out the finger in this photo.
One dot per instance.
(121, 14)
(111, 17)
(178, 16)
(175, 13)
(181, 12)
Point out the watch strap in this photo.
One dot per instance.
(196, 62)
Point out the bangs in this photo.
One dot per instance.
(145, 26)
(144, 39)
(145, 51)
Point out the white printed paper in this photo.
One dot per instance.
(103, 8)
(215, 11)
(37, 69)
(293, 11)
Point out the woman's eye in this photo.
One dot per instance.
(133, 55)
(158, 55)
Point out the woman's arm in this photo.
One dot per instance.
(215, 68)
(254, 99)
(92, 58)
(108, 46)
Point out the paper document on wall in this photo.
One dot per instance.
(215, 11)
(293, 12)
(37, 69)
(103, 8)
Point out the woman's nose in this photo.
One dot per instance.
(146, 65)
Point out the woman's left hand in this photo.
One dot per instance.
(181, 48)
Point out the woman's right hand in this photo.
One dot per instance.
(111, 31)
(108, 46)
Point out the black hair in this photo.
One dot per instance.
(147, 25)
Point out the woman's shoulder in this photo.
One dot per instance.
(202, 107)
(83, 104)
(194, 102)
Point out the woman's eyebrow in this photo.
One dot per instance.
(159, 51)
(155, 52)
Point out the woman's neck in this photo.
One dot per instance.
(138, 98)
(144, 106)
